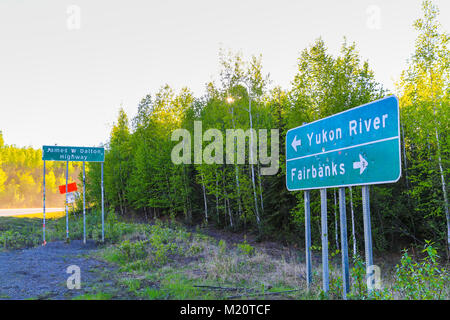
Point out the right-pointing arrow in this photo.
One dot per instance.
(361, 164)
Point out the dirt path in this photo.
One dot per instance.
(41, 272)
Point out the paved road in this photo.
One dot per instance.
(16, 212)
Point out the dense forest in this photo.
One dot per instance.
(21, 177)
(140, 177)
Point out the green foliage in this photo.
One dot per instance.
(420, 280)
(15, 240)
(222, 247)
(19, 233)
(358, 279)
(21, 172)
(95, 296)
(246, 248)
(131, 251)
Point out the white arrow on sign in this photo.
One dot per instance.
(296, 143)
(361, 164)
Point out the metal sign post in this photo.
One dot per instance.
(344, 244)
(103, 212)
(67, 205)
(367, 234)
(43, 217)
(308, 239)
(82, 154)
(323, 209)
(84, 204)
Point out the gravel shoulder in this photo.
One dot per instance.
(41, 272)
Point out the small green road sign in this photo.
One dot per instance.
(359, 146)
(65, 153)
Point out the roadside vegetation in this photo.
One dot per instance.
(165, 260)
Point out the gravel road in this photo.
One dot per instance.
(40, 272)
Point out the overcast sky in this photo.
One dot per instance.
(67, 66)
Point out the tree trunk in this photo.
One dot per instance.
(236, 170)
(258, 222)
(204, 199)
(217, 198)
(260, 190)
(336, 221)
(441, 171)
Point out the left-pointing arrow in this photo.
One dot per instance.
(296, 143)
(361, 164)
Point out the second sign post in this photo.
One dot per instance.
(66, 153)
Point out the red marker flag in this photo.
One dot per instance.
(71, 187)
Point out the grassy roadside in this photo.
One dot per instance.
(162, 262)
(166, 261)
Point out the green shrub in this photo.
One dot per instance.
(421, 280)
(246, 248)
(15, 240)
(132, 251)
(358, 279)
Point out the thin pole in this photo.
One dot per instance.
(367, 232)
(43, 222)
(308, 239)
(67, 206)
(84, 204)
(353, 223)
(336, 220)
(344, 244)
(323, 209)
(103, 211)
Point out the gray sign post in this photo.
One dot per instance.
(67, 205)
(43, 215)
(323, 218)
(84, 203)
(344, 244)
(308, 239)
(367, 234)
(67, 153)
(103, 211)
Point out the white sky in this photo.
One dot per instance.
(65, 86)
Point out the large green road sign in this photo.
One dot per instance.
(63, 153)
(359, 146)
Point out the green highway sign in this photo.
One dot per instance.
(65, 153)
(359, 146)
